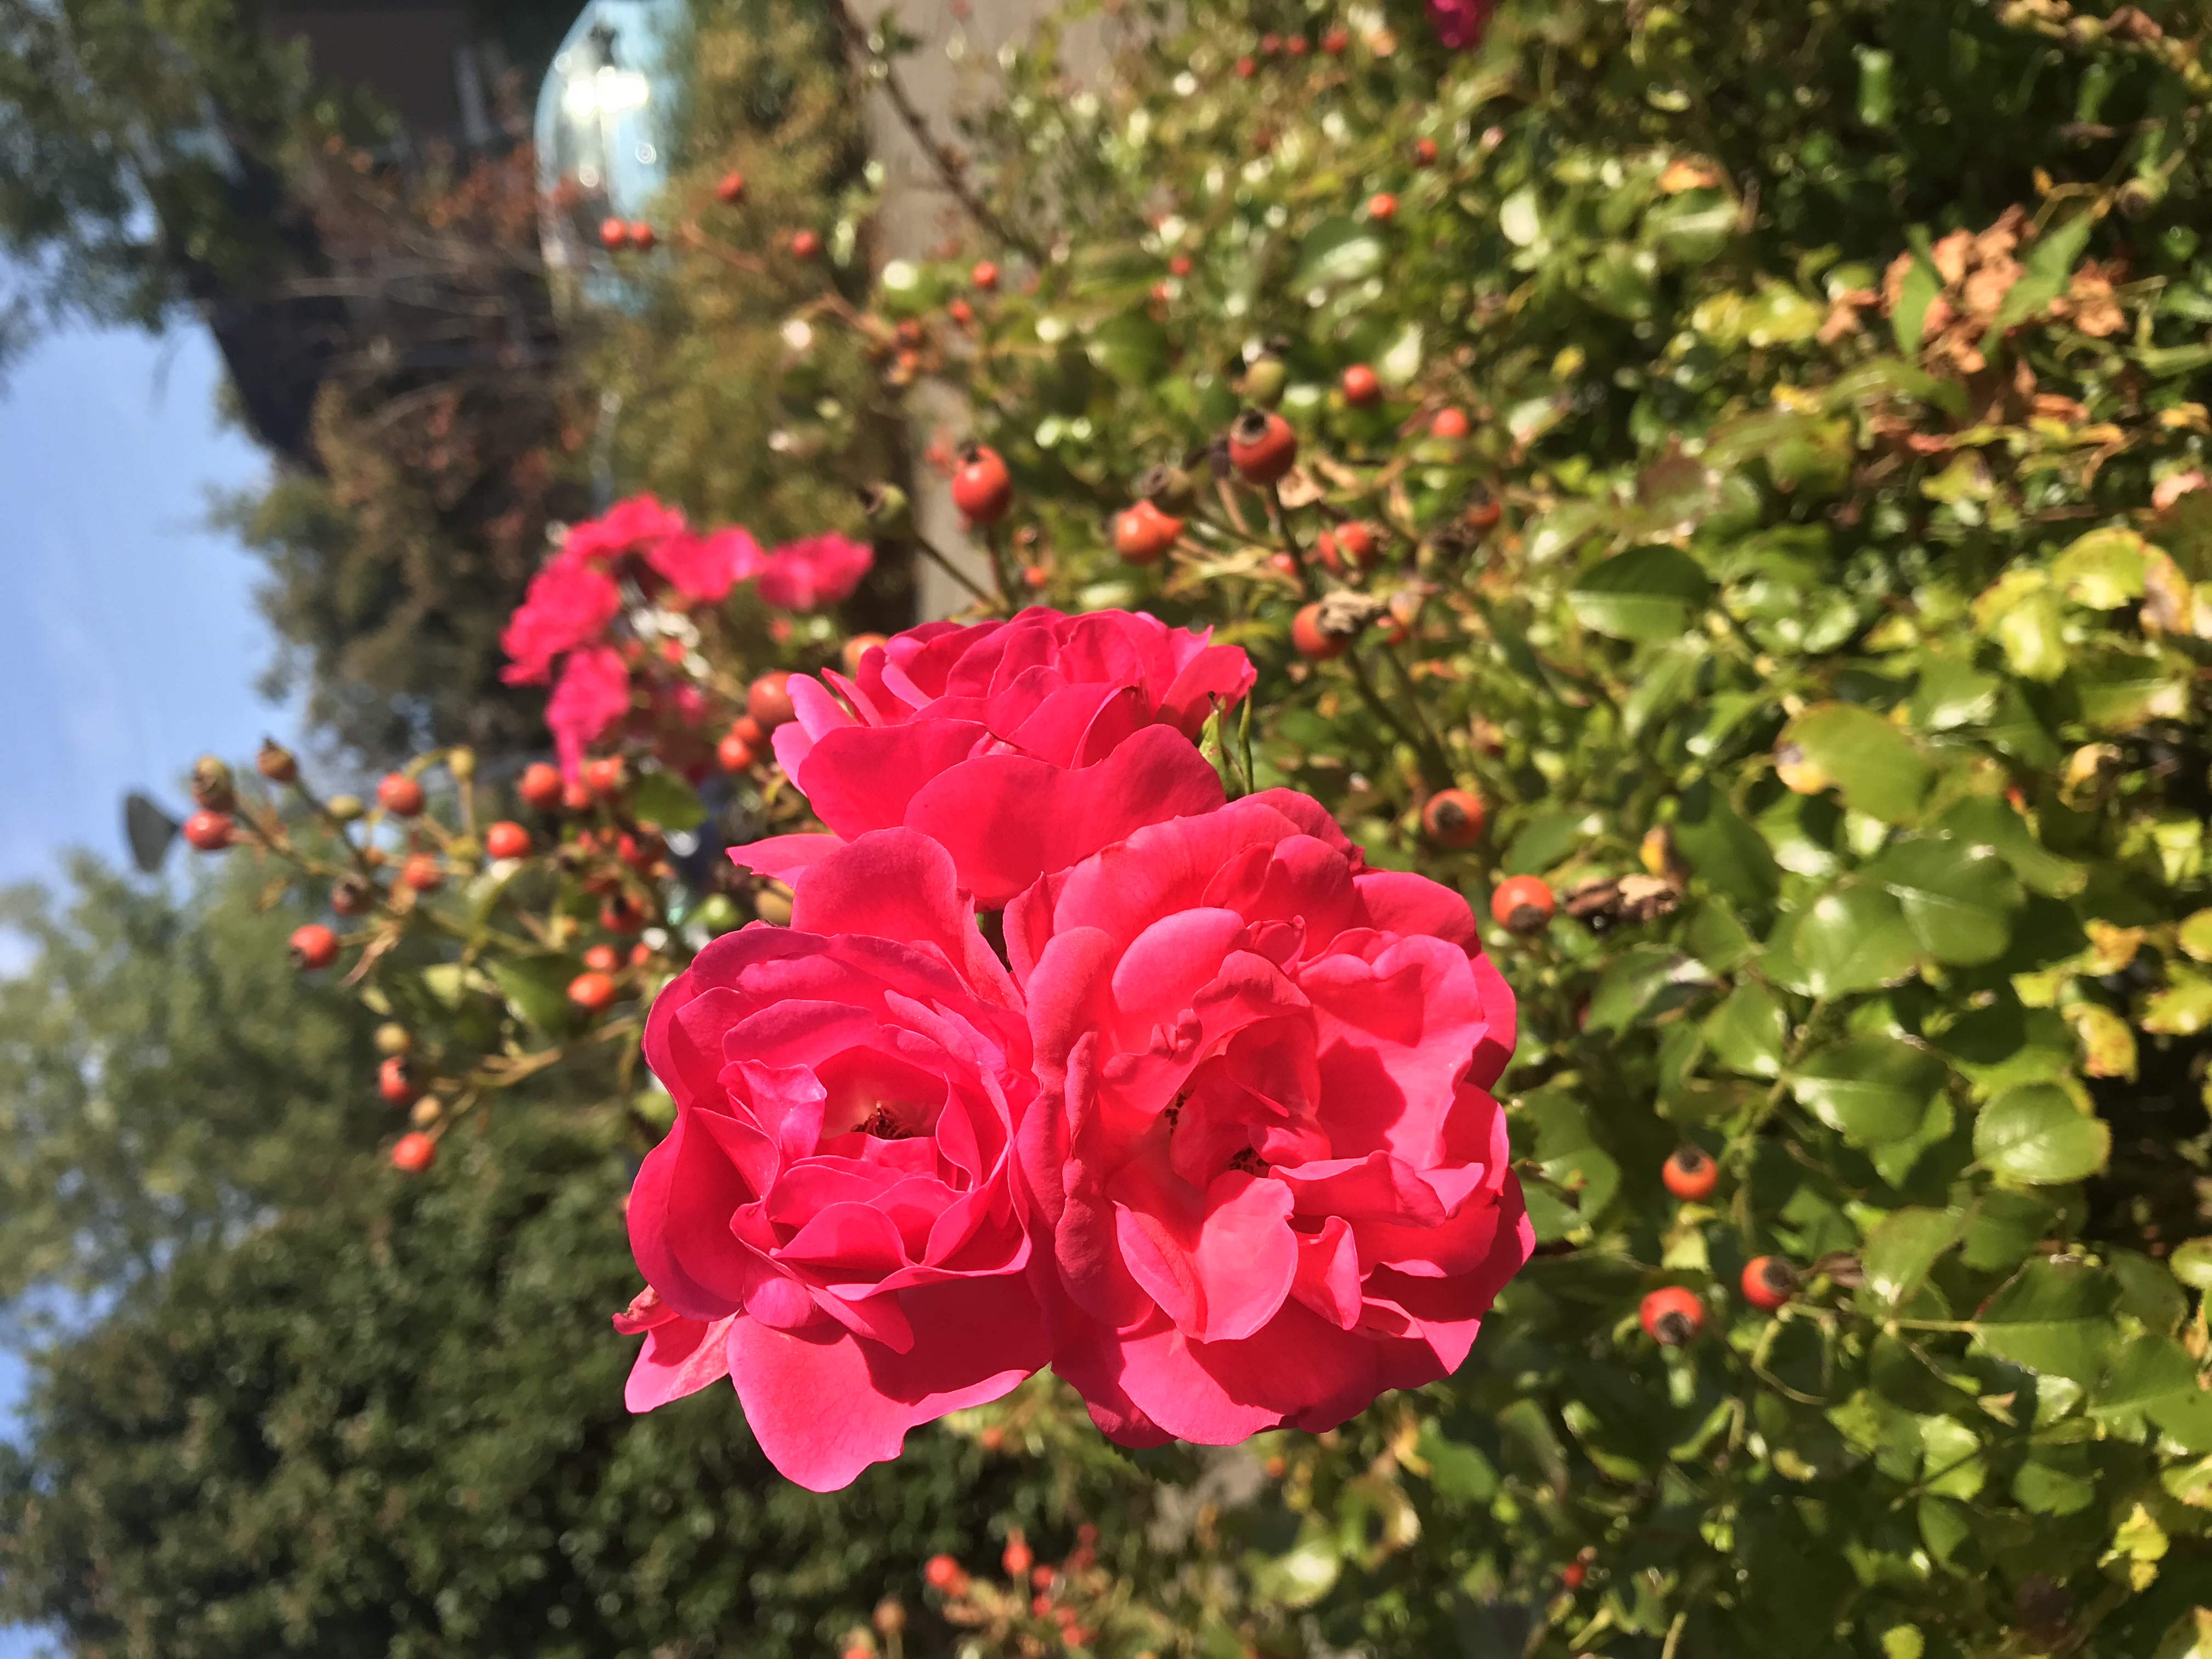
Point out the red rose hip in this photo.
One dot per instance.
(1311, 640)
(983, 488)
(768, 700)
(1690, 1175)
(413, 1153)
(1361, 387)
(210, 832)
(1672, 1316)
(1143, 533)
(507, 840)
(594, 992)
(395, 1081)
(313, 946)
(1454, 818)
(1262, 448)
(1448, 423)
(1767, 1281)
(399, 794)
(730, 188)
(540, 786)
(1522, 904)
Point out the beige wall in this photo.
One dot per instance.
(918, 213)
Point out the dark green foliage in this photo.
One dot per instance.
(393, 1425)
(165, 1075)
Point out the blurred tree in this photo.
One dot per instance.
(164, 1078)
(393, 1425)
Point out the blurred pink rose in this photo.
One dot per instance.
(706, 567)
(814, 571)
(1267, 1174)
(569, 604)
(591, 694)
(1020, 746)
(629, 527)
(837, 1197)
(1461, 23)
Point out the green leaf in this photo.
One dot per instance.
(2191, 1263)
(2055, 1317)
(2195, 936)
(2037, 1135)
(1878, 768)
(2183, 1009)
(1986, 821)
(1642, 983)
(1899, 1253)
(1781, 316)
(1645, 593)
(664, 798)
(2004, 1228)
(1131, 348)
(1959, 900)
(1747, 1031)
(1715, 842)
(2121, 690)
(1546, 840)
(1923, 282)
(1871, 1089)
(537, 989)
(2154, 1377)
(1337, 251)
(1302, 1576)
(1459, 1472)
(1568, 1154)
(1850, 939)
(1951, 693)
(2103, 569)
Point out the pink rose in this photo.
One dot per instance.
(1272, 1182)
(1461, 23)
(706, 567)
(814, 571)
(1020, 746)
(569, 604)
(838, 1196)
(591, 694)
(635, 525)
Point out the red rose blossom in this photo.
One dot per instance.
(1272, 1180)
(569, 604)
(814, 571)
(837, 1197)
(705, 569)
(1020, 746)
(635, 525)
(591, 694)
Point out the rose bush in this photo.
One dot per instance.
(1021, 746)
(1272, 1182)
(832, 1221)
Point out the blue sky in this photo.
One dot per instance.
(128, 642)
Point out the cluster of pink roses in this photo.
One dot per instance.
(1211, 1137)
(573, 602)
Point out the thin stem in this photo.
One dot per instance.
(938, 557)
(1375, 705)
(1290, 542)
(940, 157)
(1434, 760)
